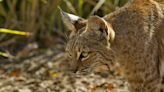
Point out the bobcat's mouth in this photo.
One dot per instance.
(84, 71)
(88, 70)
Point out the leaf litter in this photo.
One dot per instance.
(49, 72)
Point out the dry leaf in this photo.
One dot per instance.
(15, 72)
(92, 88)
(4, 76)
(109, 87)
(29, 47)
(101, 69)
(119, 70)
(52, 74)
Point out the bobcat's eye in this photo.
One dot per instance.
(84, 54)
(69, 54)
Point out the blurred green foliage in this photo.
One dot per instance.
(42, 18)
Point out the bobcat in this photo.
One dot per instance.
(132, 35)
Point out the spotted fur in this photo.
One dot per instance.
(133, 35)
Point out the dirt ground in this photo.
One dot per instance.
(49, 72)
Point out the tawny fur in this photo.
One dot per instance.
(133, 35)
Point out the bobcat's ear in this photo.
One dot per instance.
(99, 24)
(70, 20)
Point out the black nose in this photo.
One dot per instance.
(73, 70)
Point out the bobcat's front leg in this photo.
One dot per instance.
(143, 79)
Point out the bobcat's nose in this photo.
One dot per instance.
(73, 67)
(73, 70)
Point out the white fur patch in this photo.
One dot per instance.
(69, 55)
(105, 24)
(101, 68)
(85, 58)
(73, 17)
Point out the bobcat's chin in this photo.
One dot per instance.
(89, 70)
(84, 71)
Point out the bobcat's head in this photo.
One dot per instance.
(89, 43)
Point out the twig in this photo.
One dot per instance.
(71, 7)
(99, 4)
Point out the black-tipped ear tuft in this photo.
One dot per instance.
(61, 11)
(70, 20)
(70, 17)
(73, 22)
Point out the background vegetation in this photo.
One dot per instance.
(42, 19)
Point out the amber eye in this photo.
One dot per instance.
(84, 54)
